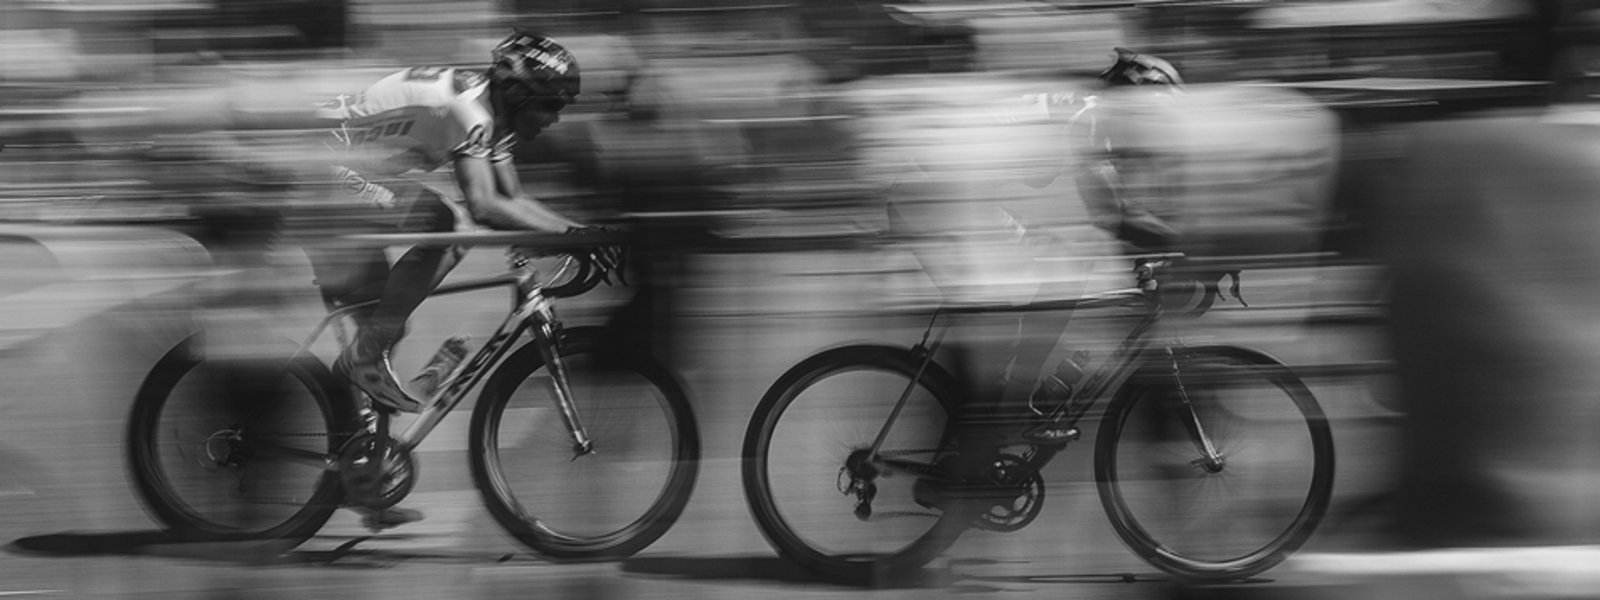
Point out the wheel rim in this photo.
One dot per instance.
(213, 474)
(1227, 523)
(588, 502)
(807, 443)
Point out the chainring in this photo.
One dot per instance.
(1012, 516)
(376, 473)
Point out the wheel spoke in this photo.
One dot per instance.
(819, 423)
(1236, 504)
(201, 458)
(606, 504)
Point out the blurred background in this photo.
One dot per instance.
(1360, 159)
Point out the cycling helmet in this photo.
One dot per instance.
(1133, 68)
(531, 69)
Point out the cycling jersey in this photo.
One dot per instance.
(417, 120)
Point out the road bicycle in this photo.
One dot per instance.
(1213, 462)
(580, 451)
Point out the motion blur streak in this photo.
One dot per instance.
(1405, 187)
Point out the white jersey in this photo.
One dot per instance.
(417, 120)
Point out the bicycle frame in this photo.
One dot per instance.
(1066, 415)
(531, 311)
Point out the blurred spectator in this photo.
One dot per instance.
(716, 115)
(1495, 308)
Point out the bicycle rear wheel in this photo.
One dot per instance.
(611, 503)
(235, 450)
(1227, 520)
(815, 419)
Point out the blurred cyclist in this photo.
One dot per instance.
(421, 119)
(1008, 348)
(1103, 182)
(1097, 154)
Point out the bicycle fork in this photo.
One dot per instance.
(537, 313)
(545, 338)
(1210, 460)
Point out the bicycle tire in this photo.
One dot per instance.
(1256, 434)
(875, 550)
(607, 505)
(164, 440)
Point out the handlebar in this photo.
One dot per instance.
(1208, 281)
(575, 276)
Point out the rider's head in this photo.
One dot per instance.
(533, 78)
(1133, 68)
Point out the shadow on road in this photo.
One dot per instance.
(754, 568)
(769, 569)
(972, 569)
(150, 543)
(1001, 576)
(997, 572)
(960, 575)
(233, 550)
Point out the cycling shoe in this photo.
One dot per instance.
(394, 516)
(375, 377)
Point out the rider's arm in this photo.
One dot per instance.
(495, 197)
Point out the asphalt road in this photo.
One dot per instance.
(74, 528)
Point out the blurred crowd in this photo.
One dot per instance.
(1341, 126)
(778, 102)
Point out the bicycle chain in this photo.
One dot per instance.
(903, 514)
(308, 435)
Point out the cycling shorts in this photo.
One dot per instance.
(396, 204)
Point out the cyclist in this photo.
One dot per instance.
(421, 119)
(986, 357)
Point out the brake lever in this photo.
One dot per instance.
(1212, 290)
(1233, 288)
(610, 260)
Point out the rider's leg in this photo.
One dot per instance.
(1000, 359)
(1038, 336)
(1001, 368)
(987, 356)
(413, 277)
(349, 276)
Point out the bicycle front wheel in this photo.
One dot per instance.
(1214, 519)
(802, 474)
(608, 504)
(225, 449)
